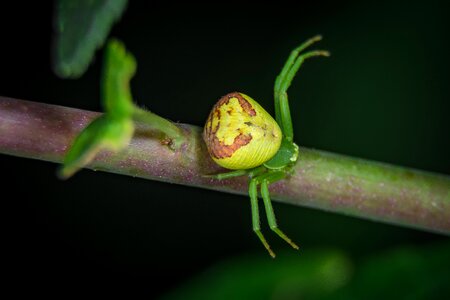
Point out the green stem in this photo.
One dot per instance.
(173, 134)
(321, 180)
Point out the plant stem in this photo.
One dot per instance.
(321, 180)
(155, 122)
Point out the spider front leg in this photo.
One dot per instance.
(283, 81)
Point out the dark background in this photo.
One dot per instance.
(383, 95)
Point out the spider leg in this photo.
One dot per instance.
(227, 175)
(287, 66)
(287, 80)
(252, 191)
(291, 59)
(257, 171)
(250, 172)
(275, 176)
(283, 81)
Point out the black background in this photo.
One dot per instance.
(383, 95)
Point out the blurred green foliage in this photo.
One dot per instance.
(82, 27)
(404, 273)
(290, 276)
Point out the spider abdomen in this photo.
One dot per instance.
(240, 134)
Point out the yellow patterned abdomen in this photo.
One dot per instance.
(240, 134)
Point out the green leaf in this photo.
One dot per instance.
(104, 133)
(119, 68)
(114, 130)
(82, 27)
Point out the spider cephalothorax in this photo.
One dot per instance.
(242, 136)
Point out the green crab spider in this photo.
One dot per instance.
(240, 135)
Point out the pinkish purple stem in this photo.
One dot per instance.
(323, 180)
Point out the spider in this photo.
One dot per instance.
(241, 136)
